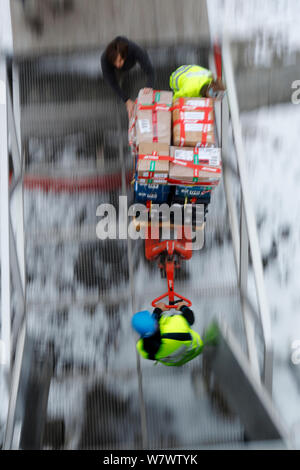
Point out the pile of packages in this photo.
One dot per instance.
(174, 148)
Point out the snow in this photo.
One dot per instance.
(242, 19)
(271, 138)
(6, 43)
(270, 27)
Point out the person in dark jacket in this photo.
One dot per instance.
(122, 55)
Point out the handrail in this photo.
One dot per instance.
(249, 217)
(5, 218)
(12, 250)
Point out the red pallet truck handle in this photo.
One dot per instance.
(180, 299)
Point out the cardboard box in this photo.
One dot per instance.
(153, 117)
(150, 166)
(193, 122)
(157, 193)
(210, 156)
(184, 175)
(190, 165)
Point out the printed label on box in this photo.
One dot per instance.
(162, 175)
(146, 174)
(197, 115)
(153, 180)
(144, 125)
(194, 103)
(187, 155)
(211, 156)
(191, 127)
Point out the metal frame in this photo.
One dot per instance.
(12, 246)
(5, 221)
(244, 236)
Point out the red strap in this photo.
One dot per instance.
(182, 131)
(202, 183)
(154, 156)
(204, 134)
(196, 167)
(154, 125)
(156, 106)
(177, 161)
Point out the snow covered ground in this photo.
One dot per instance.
(246, 19)
(271, 137)
(6, 43)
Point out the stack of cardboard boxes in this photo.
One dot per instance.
(192, 164)
(150, 139)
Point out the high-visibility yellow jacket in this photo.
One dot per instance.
(188, 80)
(172, 351)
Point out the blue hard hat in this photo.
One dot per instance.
(144, 323)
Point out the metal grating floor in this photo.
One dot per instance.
(81, 291)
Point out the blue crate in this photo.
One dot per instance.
(157, 193)
(183, 193)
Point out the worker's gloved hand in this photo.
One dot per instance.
(181, 304)
(148, 90)
(130, 108)
(162, 306)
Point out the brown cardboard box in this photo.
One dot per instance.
(187, 175)
(207, 164)
(209, 156)
(153, 124)
(193, 122)
(152, 167)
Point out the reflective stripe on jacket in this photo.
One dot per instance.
(175, 352)
(188, 80)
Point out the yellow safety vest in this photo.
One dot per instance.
(173, 352)
(188, 80)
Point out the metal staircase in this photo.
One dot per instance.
(80, 292)
(73, 375)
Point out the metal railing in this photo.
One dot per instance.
(243, 227)
(12, 246)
